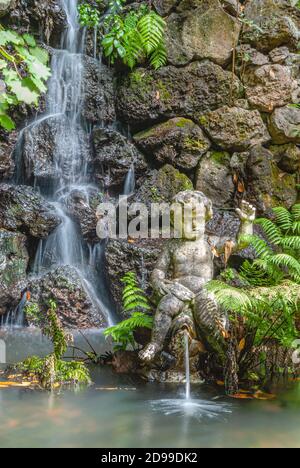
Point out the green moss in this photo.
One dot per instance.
(194, 144)
(182, 122)
(220, 157)
(203, 120)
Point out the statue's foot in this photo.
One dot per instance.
(148, 353)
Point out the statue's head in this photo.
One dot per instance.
(196, 211)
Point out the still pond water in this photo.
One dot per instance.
(117, 412)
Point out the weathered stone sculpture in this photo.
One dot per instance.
(183, 269)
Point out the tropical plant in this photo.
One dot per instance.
(23, 73)
(278, 255)
(136, 304)
(52, 370)
(131, 36)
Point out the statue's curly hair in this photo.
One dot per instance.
(195, 197)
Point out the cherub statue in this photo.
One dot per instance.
(184, 267)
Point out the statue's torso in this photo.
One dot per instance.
(192, 263)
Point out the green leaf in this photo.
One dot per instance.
(3, 64)
(39, 53)
(29, 39)
(6, 122)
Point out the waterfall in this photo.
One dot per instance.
(187, 368)
(65, 246)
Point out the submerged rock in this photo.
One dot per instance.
(179, 142)
(114, 155)
(74, 306)
(284, 125)
(123, 256)
(22, 209)
(214, 178)
(206, 32)
(146, 96)
(234, 128)
(269, 86)
(13, 265)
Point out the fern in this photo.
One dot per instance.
(272, 232)
(136, 303)
(283, 218)
(151, 28)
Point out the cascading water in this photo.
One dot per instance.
(70, 148)
(187, 368)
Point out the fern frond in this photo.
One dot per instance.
(296, 212)
(283, 218)
(151, 28)
(286, 261)
(158, 57)
(270, 229)
(291, 242)
(295, 228)
(260, 246)
(230, 298)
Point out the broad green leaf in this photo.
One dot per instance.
(29, 39)
(23, 93)
(7, 37)
(38, 69)
(3, 64)
(39, 53)
(6, 122)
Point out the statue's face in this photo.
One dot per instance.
(195, 211)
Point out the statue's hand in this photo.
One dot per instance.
(247, 212)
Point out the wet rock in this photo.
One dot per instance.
(179, 142)
(146, 96)
(162, 185)
(287, 157)
(233, 7)
(45, 16)
(269, 86)
(13, 265)
(207, 32)
(81, 204)
(267, 185)
(270, 25)
(7, 163)
(74, 306)
(234, 128)
(114, 155)
(122, 256)
(43, 143)
(214, 178)
(284, 125)
(22, 209)
(98, 95)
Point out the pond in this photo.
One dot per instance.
(119, 412)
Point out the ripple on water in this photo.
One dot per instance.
(198, 409)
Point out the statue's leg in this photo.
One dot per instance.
(210, 319)
(167, 309)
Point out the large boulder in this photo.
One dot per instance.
(75, 307)
(234, 128)
(123, 256)
(162, 185)
(98, 95)
(22, 209)
(114, 155)
(146, 96)
(267, 185)
(207, 32)
(270, 24)
(284, 125)
(287, 157)
(13, 265)
(214, 179)
(269, 86)
(179, 142)
(43, 144)
(164, 7)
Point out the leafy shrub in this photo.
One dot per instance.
(136, 303)
(23, 73)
